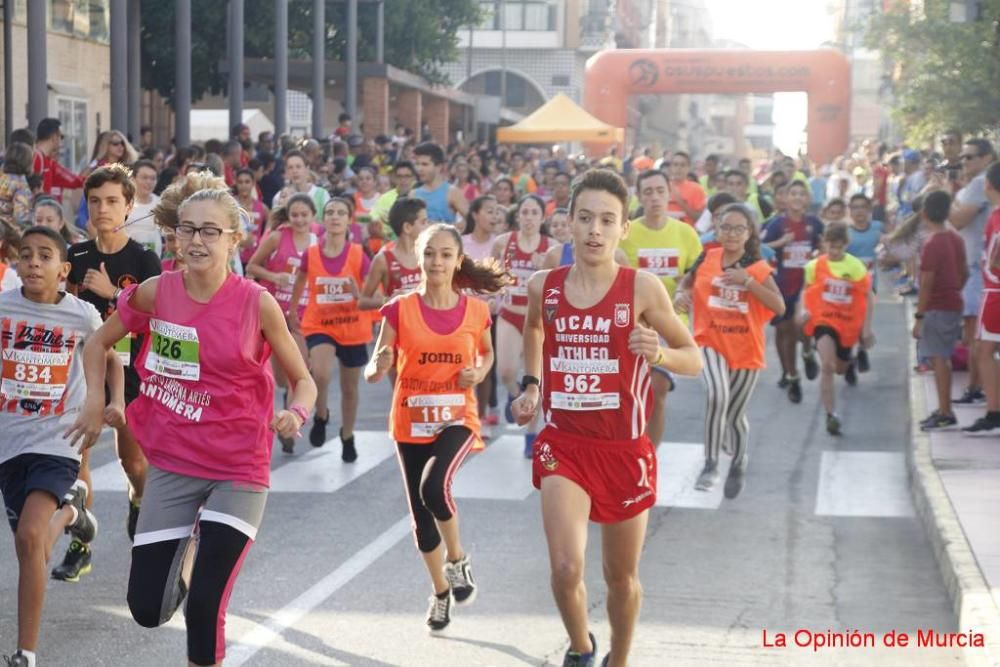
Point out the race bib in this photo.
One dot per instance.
(838, 292)
(39, 376)
(728, 297)
(123, 349)
(284, 292)
(584, 384)
(173, 351)
(796, 254)
(664, 262)
(333, 290)
(432, 413)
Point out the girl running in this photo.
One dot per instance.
(363, 201)
(732, 296)
(396, 269)
(477, 243)
(204, 418)
(332, 323)
(521, 253)
(440, 339)
(246, 190)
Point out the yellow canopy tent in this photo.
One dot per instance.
(560, 119)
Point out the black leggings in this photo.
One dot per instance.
(428, 471)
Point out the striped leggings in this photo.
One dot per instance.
(727, 395)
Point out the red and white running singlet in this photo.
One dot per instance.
(591, 383)
(402, 280)
(520, 265)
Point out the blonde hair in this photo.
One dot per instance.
(165, 213)
(128, 157)
(221, 198)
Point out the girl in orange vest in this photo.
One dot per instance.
(836, 310)
(332, 323)
(440, 339)
(732, 297)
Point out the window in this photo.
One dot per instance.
(518, 15)
(86, 19)
(517, 90)
(72, 113)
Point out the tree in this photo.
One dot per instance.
(946, 75)
(420, 36)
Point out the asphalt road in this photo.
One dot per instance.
(823, 538)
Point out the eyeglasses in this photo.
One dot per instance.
(736, 230)
(208, 234)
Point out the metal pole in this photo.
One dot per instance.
(38, 88)
(119, 65)
(503, 53)
(468, 54)
(134, 94)
(8, 70)
(235, 62)
(380, 32)
(351, 98)
(280, 67)
(182, 84)
(319, 67)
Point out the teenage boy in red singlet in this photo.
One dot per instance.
(592, 336)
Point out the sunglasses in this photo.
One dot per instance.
(116, 143)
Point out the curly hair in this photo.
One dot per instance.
(165, 213)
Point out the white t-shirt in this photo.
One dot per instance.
(144, 231)
(10, 280)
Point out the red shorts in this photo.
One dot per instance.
(515, 319)
(988, 326)
(618, 475)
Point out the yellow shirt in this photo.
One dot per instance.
(668, 253)
(850, 268)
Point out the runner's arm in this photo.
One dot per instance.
(768, 294)
(293, 309)
(286, 351)
(384, 346)
(376, 278)
(534, 333)
(486, 355)
(653, 306)
(552, 256)
(255, 267)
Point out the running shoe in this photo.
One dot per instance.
(491, 420)
(529, 445)
(607, 657)
(795, 390)
(783, 382)
(84, 526)
(439, 612)
(348, 454)
(459, 576)
(16, 660)
(735, 481)
(508, 410)
(971, 396)
(132, 520)
(75, 564)
(938, 422)
(812, 366)
(864, 365)
(832, 424)
(708, 477)
(851, 374)
(317, 434)
(988, 425)
(574, 659)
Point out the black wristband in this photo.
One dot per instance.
(918, 316)
(529, 380)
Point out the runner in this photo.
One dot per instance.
(140, 226)
(667, 248)
(204, 417)
(396, 269)
(332, 323)
(477, 243)
(246, 189)
(297, 181)
(558, 226)
(100, 270)
(836, 310)
(365, 198)
(732, 295)
(444, 200)
(866, 237)
(593, 360)
(441, 340)
(796, 236)
(521, 252)
(41, 384)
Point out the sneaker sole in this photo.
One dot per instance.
(438, 632)
(75, 580)
(469, 600)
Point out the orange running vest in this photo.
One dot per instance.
(838, 303)
(332, 309)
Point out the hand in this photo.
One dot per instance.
(379, 364)
(99, 282)
(352, 287)
(735, 276)
(918, 327)
(292, 320)
(114, 415)
(785, 240)
(802, 318)
(283, 279)
(643, 340)
(682, 301)
(525, 406)
(468, 377)
(868, 340)
(286, 424)
(87, 427)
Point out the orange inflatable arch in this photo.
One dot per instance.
(824, 74)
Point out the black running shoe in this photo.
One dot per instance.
(783, 382)
(574, 659)
(971, 396)
(929, 419)
(938, 422)
(439, 612)
(795, 390)
(863, 364)
(708, 477)
(132, 520)
(317, 434)
(735, 481)
(459, 576)
(348, 454)
(508, 410)
(607, 657)
(851, 375)
(16, 660)
(833, 424)
(75, 564)
(812, 366)
(84, 527)
(987, 425)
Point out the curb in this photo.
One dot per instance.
(972, 602)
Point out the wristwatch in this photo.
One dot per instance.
(529, 380)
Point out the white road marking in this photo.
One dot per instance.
(263, 634)
(500, 472)
(679, 465)
(320, 470)
(871, 484)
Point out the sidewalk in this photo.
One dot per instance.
(955, 481)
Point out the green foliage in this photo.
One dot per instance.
(946, 75)
(420, 36)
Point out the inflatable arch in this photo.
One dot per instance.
(824, 74)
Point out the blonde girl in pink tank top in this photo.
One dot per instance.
(204, 417)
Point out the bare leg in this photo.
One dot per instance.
(37, 532)
(658, 415)
(508, 356)
(321, 361)
(989, 373)
(828, 370)
(349, 378)
(133, 462)
(84, 475)
(622, 547)
(434, 562)
(942, 381)
(786, 337)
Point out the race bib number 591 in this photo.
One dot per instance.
(173, 351)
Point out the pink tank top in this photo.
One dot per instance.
(287, 259)
(258, 220)
(207, 396)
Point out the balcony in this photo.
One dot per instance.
(596, 32)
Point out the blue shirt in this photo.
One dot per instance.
(862, 245)
(438, 209)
